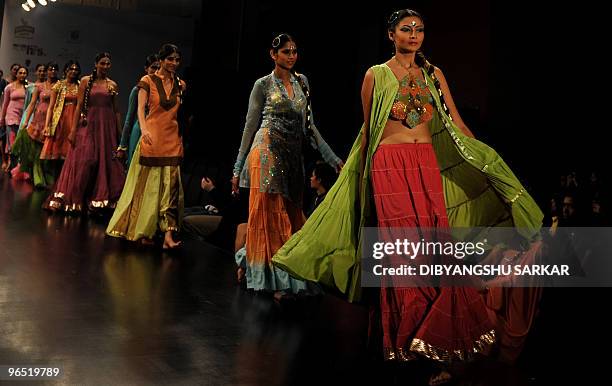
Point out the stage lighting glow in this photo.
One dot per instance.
(42, 2)
(25, 7)
(31, 3)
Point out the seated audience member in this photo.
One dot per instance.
(323, 177)
(570, 215)
(598, 216)
(214, 204)
(203, 220)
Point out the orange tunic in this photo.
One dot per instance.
(166, 148)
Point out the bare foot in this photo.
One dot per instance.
(441, 378)
(169, 242)
(280, 296)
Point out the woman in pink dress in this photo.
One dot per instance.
(92, 177)
(10, 116)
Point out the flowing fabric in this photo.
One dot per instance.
(27, 151)
(479, 189)
(327, 249)
(152, 200)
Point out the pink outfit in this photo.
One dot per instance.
(12, 106)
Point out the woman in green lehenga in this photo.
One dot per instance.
(21, 172)
(152, 198)
(30, 137)
(479, 189)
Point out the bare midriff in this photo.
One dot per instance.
(396, 132)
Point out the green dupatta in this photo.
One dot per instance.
(480, 191)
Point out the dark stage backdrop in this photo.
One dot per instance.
(501, 61)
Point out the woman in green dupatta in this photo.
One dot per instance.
(479, 189)
(58, 121)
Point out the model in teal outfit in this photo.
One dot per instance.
(131, 129)
(479, 188)
(270, 163)
(130, 136)
(28, 98)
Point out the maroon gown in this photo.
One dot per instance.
(91, 177)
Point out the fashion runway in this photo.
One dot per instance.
(111, 313)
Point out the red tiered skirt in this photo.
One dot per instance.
(443, 324)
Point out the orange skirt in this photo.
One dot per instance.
(273, 218)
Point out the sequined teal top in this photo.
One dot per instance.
(28, 98)
(278, 124)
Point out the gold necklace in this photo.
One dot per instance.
(402, 64)
(73, 90)
(412, 80)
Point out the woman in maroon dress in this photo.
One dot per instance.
(91, 177)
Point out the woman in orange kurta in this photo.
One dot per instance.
(152, 198)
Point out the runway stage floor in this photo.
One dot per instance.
(111, 313)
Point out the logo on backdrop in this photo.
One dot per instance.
(24, 31)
